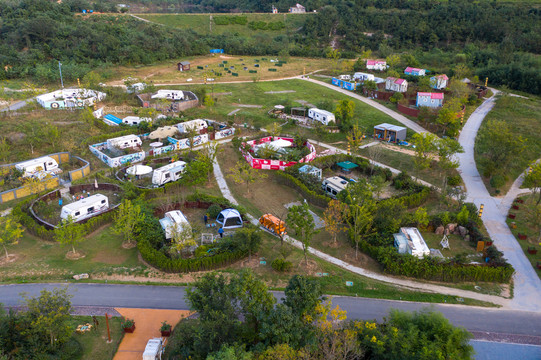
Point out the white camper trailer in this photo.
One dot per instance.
(32, 167)
(135, 120)
(124, 142)
(85, 208)
(197, 125)
(169, 172)
(153, 350)
(333, 185)
(360, 76)
(174, 219)
(323, 116)
(409, 240)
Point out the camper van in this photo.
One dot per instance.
(323, 116)
(135, 120)
(124, 142)
(174, 219)
(409, 240)
(333, 185)
(32, 167)
(85, 208)
(169, 172)
(153, 350)
(197, 125)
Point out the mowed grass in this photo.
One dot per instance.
(45, 260)
(94, 342)
(201, 23)
(258, 93)
(209, 68)
(525, 225)
(524, 119)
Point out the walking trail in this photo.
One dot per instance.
(357, 270)
(527, 285)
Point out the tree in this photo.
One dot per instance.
(532, 180)
(34, 133)
(389, 215)
(424, 84)
(181, 238)
(5, 149)
(370, 85)
(377, 184)
(393, 60)
(360, 221)
(302, 297)
(425, 148)
(333, 219)
(274, 129)
(243, 173)
(302, 222)
(69, 233)
(210, 151)
(10, 232)
(458, 89)
(447, 149)
(127, 218)
(344, 112)
(250, 238)
(463, 217)
(196, 173)
(355, 137)
(92, 80)
(232, 352)
(52, 134)
(420, 216)
(50, 316)
(208, 101)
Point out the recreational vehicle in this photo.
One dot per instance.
(124, 142)
(360, 76)
(85, 208)
(323, 116)
(169, 172)
(31, 167)
(409, 240)
(135, 120)
(153, 350)
(197, 125)
(174, 219)
(333, 185)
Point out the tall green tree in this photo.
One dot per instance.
(344, 112)
(196, 173)
(127, 218)
(10, 232)
(243, 173)
(532, 179)
(425, 150)
(250, 238)
(302, 222)
(69, 233)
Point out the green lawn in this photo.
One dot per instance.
(201, 23)
(94, 342)
(525, 225)
(524, 118)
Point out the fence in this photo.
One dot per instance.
(407, 110)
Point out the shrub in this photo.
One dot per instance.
(213, 211)
(454, 180)
(497, 181)
(281, 265)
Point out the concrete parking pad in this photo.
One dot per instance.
(147, 326)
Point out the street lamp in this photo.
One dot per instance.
(60, 69)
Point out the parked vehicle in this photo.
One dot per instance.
(323, 116)
(174, 219)
(85, 208)
(34, 166)
(169, 172)
(333, 185)
(154, 349)
(273, 224)
(123, 142)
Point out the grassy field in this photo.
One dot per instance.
(202, 24)
(525, 225)
(524, 118)
(167, 72)
(94, 343)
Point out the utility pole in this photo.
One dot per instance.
(108, 331)
(60, 69)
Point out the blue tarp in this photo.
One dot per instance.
(216, 51)
(113, 119)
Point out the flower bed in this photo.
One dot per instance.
(268, 164)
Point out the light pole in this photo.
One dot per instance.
(60, 69)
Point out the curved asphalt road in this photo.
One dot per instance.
(172, 297)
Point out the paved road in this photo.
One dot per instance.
(17, 105)
(527, 285)
(172, 297)
(501, 351)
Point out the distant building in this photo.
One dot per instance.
(414, 71)
(389, 132)
(439, 82)
(394, 84)
(297, 9)
(428, 99)
(70, 98)
(380, 65)
(183, 66)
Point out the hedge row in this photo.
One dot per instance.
(416, 199)
(432, 269)
(311, 196)
(160, 261)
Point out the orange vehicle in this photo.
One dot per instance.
(273, 224)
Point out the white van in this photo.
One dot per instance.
(169, 172)
(333, 185)
(153, 350)
(32, 167)
(85, 208)
(174, 219)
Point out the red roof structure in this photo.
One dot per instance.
(434, 96)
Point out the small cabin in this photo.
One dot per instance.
(310, 170)
(439, 82)
(169, 172)
(85, 208)
(31, 167)
(125, 142)
(323, 116)
(174, 219)
(391, 133)
(429, 99)
(334, 185)
(183, 66)
(414, 71)
(297, 9)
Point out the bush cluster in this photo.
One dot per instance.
(281, 265)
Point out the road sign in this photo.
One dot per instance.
(349, 283)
